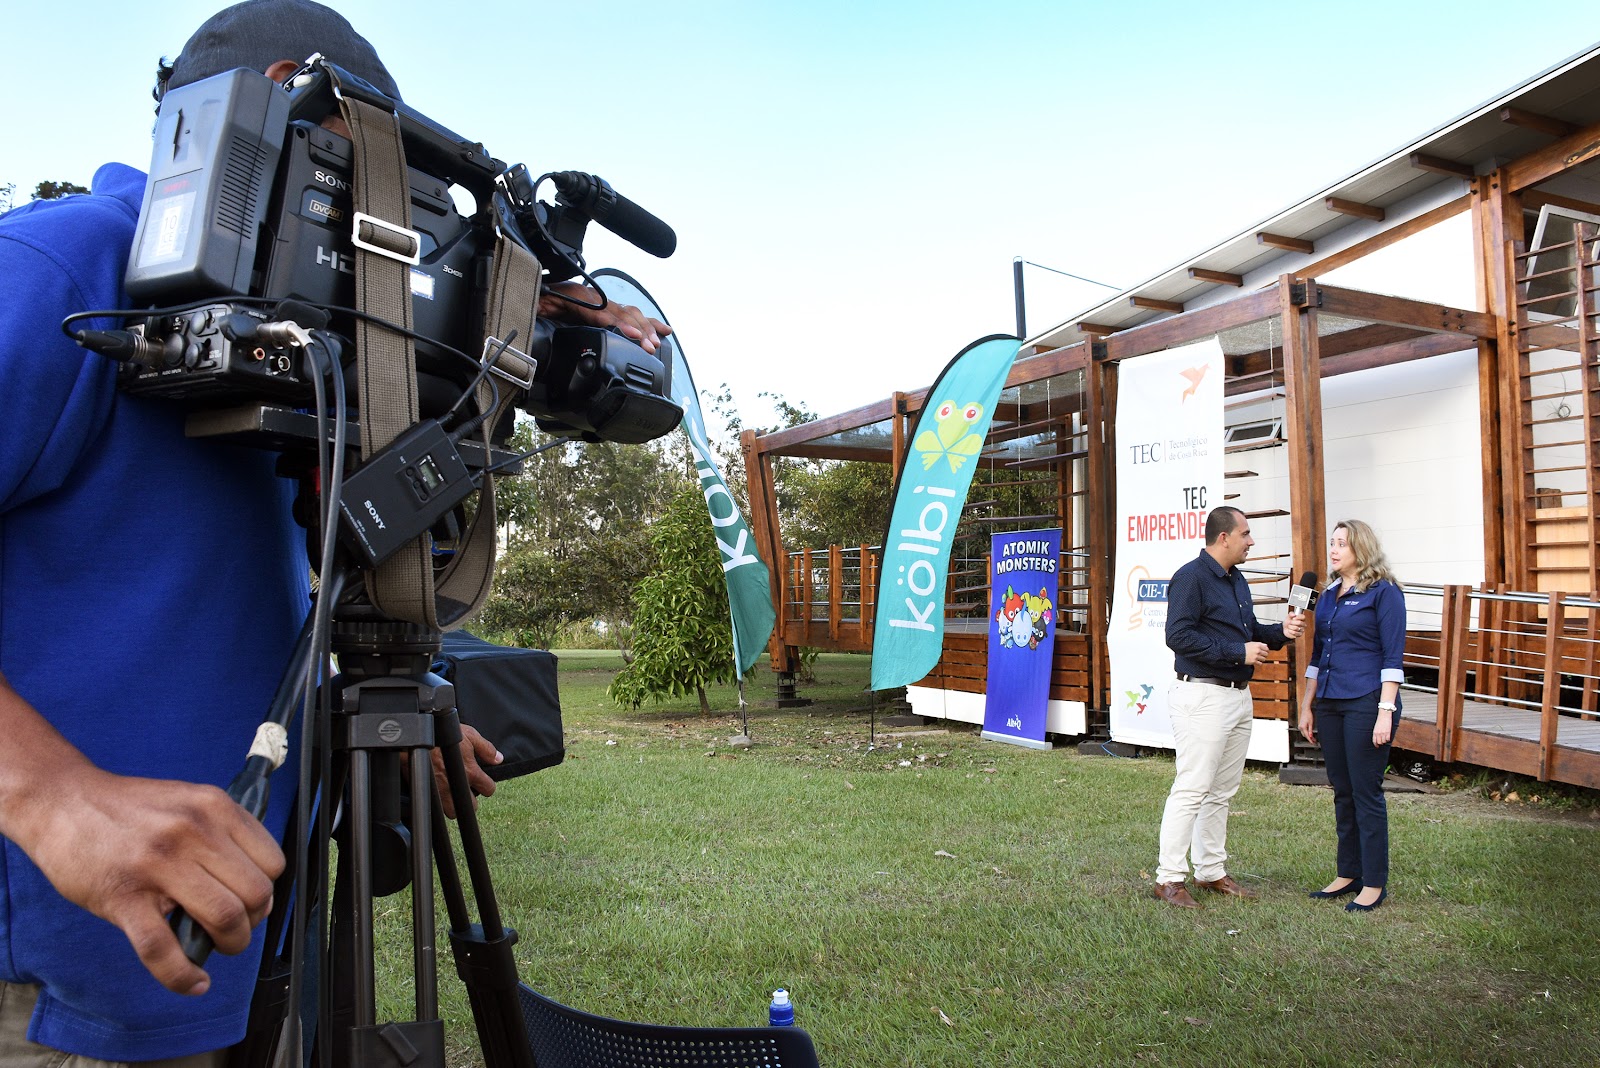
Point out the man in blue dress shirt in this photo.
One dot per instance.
(1217, 640)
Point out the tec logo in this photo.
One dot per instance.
(1139, 699)
(1194, 375)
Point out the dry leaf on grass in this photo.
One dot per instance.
(945, 1019)
(942, 853)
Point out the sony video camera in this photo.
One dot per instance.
(248, 220)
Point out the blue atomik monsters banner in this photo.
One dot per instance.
(1024, 583)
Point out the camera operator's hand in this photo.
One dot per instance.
(130, 849)
(476, 751)
(634, 324)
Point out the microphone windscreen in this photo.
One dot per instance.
(1308, 578)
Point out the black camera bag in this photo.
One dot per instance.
(509, 695)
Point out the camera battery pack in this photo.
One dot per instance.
(402, 491)
(217, 144)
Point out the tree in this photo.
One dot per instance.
(682, 637)
(835, 502)
(575, 532)
(57, 190)
(42, 191)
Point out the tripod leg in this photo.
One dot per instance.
(483, 953)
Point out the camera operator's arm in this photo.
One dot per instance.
(634, 324)
(129, 849)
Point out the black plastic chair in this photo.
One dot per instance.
(564, 1037)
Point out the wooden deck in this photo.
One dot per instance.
(1501, 736)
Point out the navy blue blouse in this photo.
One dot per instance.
(1359, 640)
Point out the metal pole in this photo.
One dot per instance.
(1016, 286)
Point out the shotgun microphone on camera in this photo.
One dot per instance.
(1303, 594)
(594, 196)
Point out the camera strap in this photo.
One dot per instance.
(386, 366)
(513, 304)
(405, 586)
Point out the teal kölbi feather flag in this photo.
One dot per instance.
(749, 584)
(934, 478)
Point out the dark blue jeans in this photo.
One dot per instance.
(1355, 771)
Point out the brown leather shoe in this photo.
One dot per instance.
(1226, 885)
(1176, 894)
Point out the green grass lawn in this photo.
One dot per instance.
(942, 900)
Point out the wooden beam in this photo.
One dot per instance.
(822, 428)
(1398, 232)
(1288, 244)
(815, 451)
(1074, 357)
(1097, 329)
(1549, 718)
(1100, 381)
(1545, 124)
(1417, 348)
(1401, 311)
(1192, 325)
(1498, 213)
(1222, 278)
(1156, 305)
(1350, 207)
(899, 428)
(1534, 199)
(1302, 429)
(1547, 162)
(1424, 162)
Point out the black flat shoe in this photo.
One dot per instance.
(1355, 907)
(1352, 887)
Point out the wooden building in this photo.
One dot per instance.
(1416, 346)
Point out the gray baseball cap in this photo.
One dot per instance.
(258, 33)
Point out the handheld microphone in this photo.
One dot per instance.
(1303, 595)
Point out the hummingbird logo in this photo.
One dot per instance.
(1194, 375)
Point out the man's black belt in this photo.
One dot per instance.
(1232, 684)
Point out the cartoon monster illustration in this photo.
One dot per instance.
(1013, 621)
(1041, 611)
(950, 437)
(1023, 619)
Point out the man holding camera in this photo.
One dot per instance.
(151, 589)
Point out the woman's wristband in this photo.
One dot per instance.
(1386, 706)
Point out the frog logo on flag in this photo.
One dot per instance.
(952, 436)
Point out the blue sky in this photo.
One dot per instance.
(850, 181)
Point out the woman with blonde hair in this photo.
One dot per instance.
(1351, 704)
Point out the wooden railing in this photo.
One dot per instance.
(828, 598)
(829, 595)
(1514, 678)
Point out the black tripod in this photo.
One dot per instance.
(391, 832)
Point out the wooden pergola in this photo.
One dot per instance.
(1526, 169)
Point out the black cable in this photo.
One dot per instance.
(487, 364)
(546, 447)
(330, 472)
(176, 309)
(273, 302)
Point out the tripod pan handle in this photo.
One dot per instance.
(250, 788)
